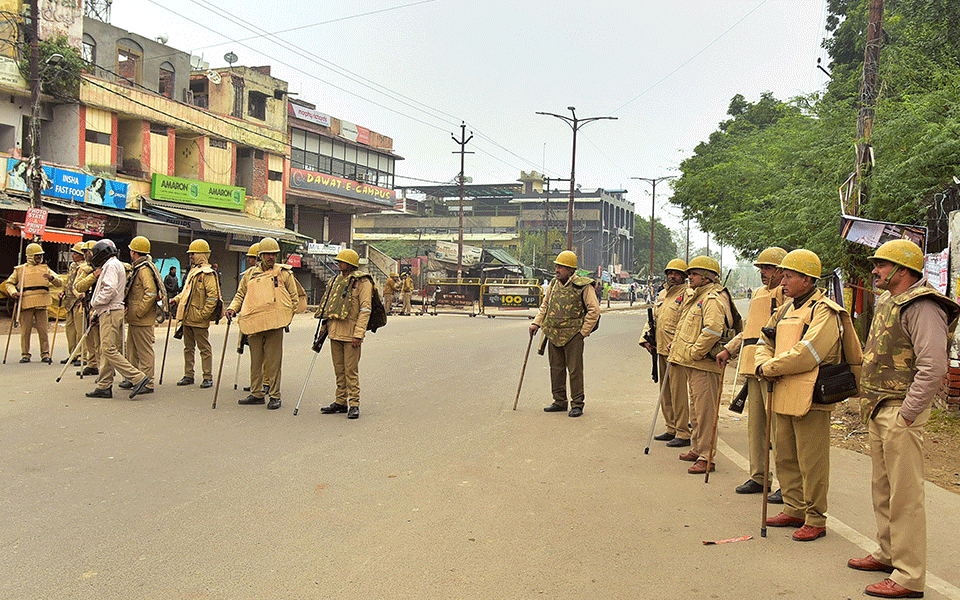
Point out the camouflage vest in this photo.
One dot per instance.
(565, 309)
(336, 303)
(889, 362)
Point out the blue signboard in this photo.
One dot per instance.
(69, 185)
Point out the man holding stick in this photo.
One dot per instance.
(74, 307)
(568, 314)
(30, 285)
(144, 290)
(196, 303)
(666, 315)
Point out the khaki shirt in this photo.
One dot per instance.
(666, 315)
(702, 323)
(142, 297)
(203, 291)
(926, 324)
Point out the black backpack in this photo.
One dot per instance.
(378, 312)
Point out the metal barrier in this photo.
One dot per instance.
(510, 296)
(455, 293)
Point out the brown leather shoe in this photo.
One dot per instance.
(689, 456)
(808, 533)
(889, 588)
(869, 563)
(700, 467)
(784, 520)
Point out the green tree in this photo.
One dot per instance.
(664, 245)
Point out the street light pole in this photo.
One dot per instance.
(653, 207)
(575, 124)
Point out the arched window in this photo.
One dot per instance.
(129, 62)
(167, 78)
(88, 49)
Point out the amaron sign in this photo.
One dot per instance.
(199, 193)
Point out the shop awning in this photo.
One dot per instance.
(8, 202)
(58, 236)
(130, 215)
(228, 222)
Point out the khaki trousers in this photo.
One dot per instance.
(674, 404)
(266, 358)
(407, 309)
(898, 500)
(567, 359)
(757, 428)
(346, 366)
(73, 325)
(34, 318)
(388, 303)
(704, 387)
(92, 351)
(111, 359)
(803, 465)
(199, 337)
(139, 349)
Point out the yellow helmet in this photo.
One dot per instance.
(802, 261)
(901, 252)
(394, 275)
(77, 248)
(771, 256)
(566, 259)
(676, 265)
(88, 245)
(254, 250)
(199, 246)
(348, 256)
(140, 245)
(706, 263)
(269, 246)
(34, 249)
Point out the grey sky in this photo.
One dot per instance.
(666, 69)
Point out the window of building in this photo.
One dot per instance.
(200, 89)
(314, 152)
(257, 105)
(238, 87)
(275, 175)
(158, 129)
(97, 137)
(167, 78)
(88, 49)
(215, 143)
(129, 62)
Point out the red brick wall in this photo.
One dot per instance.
(260, 177)
(949, 399)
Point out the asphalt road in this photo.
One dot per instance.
(439, 490)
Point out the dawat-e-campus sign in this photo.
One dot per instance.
(200, 193)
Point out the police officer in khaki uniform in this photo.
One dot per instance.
(34, 279)
(904, 362)
(407, 290)
(346, 307)
(83, 288)
(73, 324)
(390, 291)
(666, 316)
(568, 314)
(253, 259)
(144, 290)
(266, 301)
(705, 315)
(195, 305)
(808, 334)
(764, 301)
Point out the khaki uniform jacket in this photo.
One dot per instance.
(390, 287)
(198, 298)
(285, 278)
(761, 301)
(85, 279)
(361, 303)
(32, 298)
(704, 317)
(141, 299)
(407, 285)
(666, 315)
(70, 297)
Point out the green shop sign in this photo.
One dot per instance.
(200, 193)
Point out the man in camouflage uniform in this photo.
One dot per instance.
(144, 289)
(666, 316)
(905, 360)
(73, 324)
(345, 310)
(407, 290)
(568, 314)
(704, 317)
(390, 290)
(195, 305)
(34, 279)
(764, 301)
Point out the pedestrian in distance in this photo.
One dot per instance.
(107, 308)
(568, 314)
(171, 283)
(344, 313)
(406, 289)
(196, 304)
(802, 336)
(904, 362)
(764, 302)
(390, 289)
(666, 316)
(29, 285)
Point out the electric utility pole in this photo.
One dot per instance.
(463, 142)
(653, 206)
(869, 91)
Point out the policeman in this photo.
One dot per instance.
(807, 336)
(904, 362)
(83, 288)
(568, 314)
(74, 307)
(253, 259)
(195, 305)
(390, 290)
(266, 301)
(666, 316)
(346, 307)
(143, 291)
(407, 290)
(765, 300)
(705, 316)
(34, 279)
